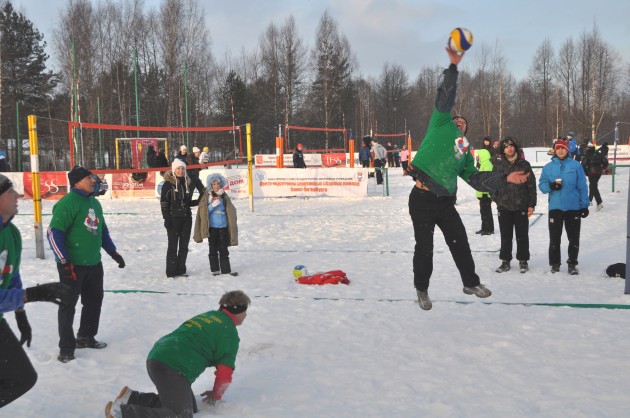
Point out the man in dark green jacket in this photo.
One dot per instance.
(443, 156)
(176, 360)
(76, 234)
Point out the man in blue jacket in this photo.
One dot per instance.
(563, 178)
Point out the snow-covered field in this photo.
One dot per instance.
(363, 350)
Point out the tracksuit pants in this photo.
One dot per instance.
(485, 209)
(510, 222)
(571, 221)
(17, 375)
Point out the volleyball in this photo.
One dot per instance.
(299, 271)
(461, 40)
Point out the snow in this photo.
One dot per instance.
(363, 350)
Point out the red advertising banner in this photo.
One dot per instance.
(53, 185)
(334, 160)
(131, 185)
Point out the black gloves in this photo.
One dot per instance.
(57, 292)
(412, 171)
(24, 327)
(118, 258)
(584, 212)
(168, 223)
(67, 271)
(555, 186)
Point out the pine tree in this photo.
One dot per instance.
(23, 76)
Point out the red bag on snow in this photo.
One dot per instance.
(329, 277)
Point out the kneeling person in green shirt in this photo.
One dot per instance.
(176, 360)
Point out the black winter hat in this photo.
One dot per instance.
(77, 174)
(5, 183)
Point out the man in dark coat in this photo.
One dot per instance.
(298, 157)
(515, 204)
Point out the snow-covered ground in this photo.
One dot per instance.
(363, 350)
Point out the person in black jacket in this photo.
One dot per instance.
(594, 163)
(193, 173)
(176, 201)
(298, 157)
(151, 157)
(515, 204)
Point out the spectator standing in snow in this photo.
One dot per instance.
(204, 157)
(151, 157)
(17, 375)
(485, 202)
(176, 361)
(193, 173)
(183, 154)
(443, 156)
(594, 164)
(175, 203)
(379, 156)
(404, 159)
(564, 180)
(364, 156)
(573, 147)
(515, 204)
(298, 157)
(76, 234)
(216, 220)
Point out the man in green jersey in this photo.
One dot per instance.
(176, 360)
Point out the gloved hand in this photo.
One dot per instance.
(168, 223)
(24, 327)
(555, 186)
(584, 212)
(59, 293)
(412, 171)
(215, 202)
(118, 258)
(67, 271)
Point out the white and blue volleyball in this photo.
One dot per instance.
(299, 271)
(461, 40)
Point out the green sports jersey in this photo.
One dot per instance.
(207, 340)
(10, 254)
(81, 219)
(444, 154)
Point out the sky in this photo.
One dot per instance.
(360, 350)
(410, 33)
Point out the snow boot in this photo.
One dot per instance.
(65, 358)
(522, 265)
(85, 342)
(480, 291)
(555, 268)
(600, 206)
(505, 266)
(573, 271)
(423, 300)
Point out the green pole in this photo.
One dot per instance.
(186, 98)
(18, 141)
(135, 77)
(100, 138)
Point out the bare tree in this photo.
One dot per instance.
(541, 77)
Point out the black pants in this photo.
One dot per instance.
(88, 285)
(194, 177)
(177, 250)
(405, 164)
(218, 240)
(365, 163)
(571, 220)
(378, 164)
(427, 211)
(17, 375)
(174, 398)
(511, 221)
(485, 209)
(593, 188)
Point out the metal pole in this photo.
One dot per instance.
(135, 78)
(615, 155)
(250, 170)
(233, 127)
(186, 99)
(37, 199)
(18, 141)
(100, 138)
(74, 87)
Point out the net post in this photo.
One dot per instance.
(37, 199)
(351, 151)
(279, 152)
(250, 177)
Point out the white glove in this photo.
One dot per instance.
(215, 203)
